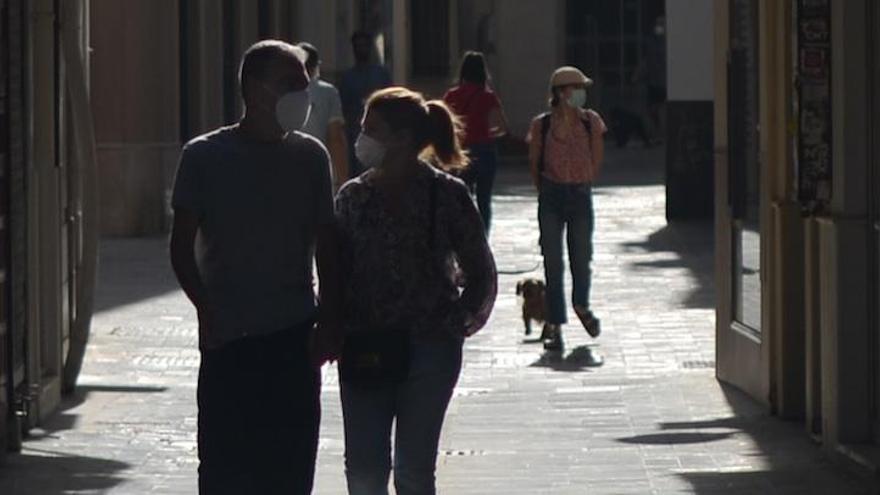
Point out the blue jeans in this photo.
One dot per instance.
(480, 178)
(418, 405)
(566, 208)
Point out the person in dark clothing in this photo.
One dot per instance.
(652, 72)
(625, 125)
(356, 85)
(258, 196)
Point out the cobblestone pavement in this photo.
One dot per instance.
(651, 420)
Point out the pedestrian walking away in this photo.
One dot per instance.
(484, 121)
(258, 195)
(566, 147)
(651, 72)
(421, 278)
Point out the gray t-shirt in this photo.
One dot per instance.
(259, 206)
(326, 108)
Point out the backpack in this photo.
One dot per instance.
(545, 128)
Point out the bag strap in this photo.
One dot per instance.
(587, 126)
(432, 213)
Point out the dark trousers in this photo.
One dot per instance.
(480, 178)
(566, 209)
(259, 412)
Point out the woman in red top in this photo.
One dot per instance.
(484, 120)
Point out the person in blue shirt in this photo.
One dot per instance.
(356, 86)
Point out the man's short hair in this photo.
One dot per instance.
(258, 58)
(312, 55)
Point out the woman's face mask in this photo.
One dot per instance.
(292, 110)
(369, 151)
(577, 98)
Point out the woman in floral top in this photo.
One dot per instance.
(566, 148)
(418, 262)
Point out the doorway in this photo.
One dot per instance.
(743, 358)
(610, 39)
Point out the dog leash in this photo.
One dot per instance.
(523, 271)
(520, 272)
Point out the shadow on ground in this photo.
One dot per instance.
(63, 419)
(694, 246)
(46, 472)
(127, 272)
(784, 459)
(633, 167)
(581, 358)
(50, 473)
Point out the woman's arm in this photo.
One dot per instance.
(597, 140)
(535, 149)
(497, 122)
(476, 261)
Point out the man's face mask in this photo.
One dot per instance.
(293, 109)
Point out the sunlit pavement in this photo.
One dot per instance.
(651, 419)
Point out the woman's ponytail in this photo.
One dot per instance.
(435, 128)
(444, 131)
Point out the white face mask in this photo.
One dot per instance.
(292, 110)
(369, 151)
(577, 98)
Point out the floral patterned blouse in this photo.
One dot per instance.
(407, 272)
(569, 160)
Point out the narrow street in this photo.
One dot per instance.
(651, 420)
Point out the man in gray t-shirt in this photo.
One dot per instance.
(257, 195)
(325, 120)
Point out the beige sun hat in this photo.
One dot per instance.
(568, 75)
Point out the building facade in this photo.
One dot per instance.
(797, 127)
(48, 226)
(97, 97)
(184, 83)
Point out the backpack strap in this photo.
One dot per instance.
(587, 126)
(545, 128)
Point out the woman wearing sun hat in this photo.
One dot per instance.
(566, 148)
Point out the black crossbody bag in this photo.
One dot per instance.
(381, 356)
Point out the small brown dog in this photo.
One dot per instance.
(532, 292)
